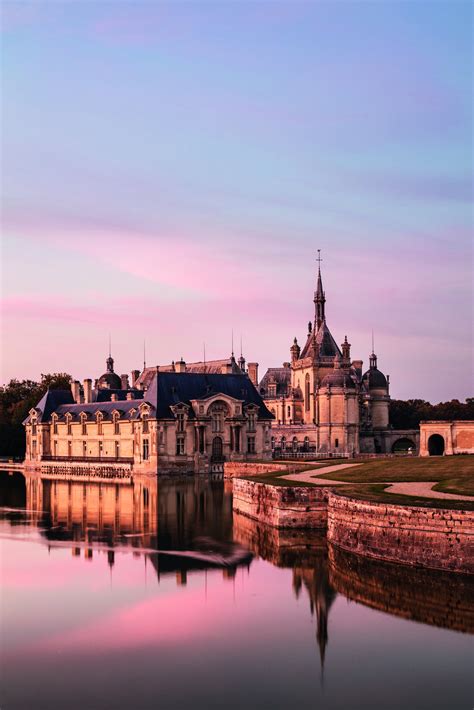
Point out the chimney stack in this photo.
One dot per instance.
(124, 381)
(252, 369)
(180, 366)
(129, 396)
(76, 391)
(87, 391)
(135, 376)
(113, 397)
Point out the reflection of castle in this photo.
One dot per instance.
(179, 527)
(303, 551)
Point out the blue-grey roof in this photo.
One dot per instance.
(105, 395)
(51, 400)
(124, 406)
(169, 388)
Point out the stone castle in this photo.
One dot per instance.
(322, 400)
(192, 417)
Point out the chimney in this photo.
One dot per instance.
(113, 397)
(226, 369)
(76, 391)
(180, 366)
(87, 391)
(252, 369)
(135, 376)
(124, 381)
(286, 365)
(129, 396)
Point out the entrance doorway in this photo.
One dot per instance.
(436, 445)
(217, 450)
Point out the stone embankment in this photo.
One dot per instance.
(426, 537)
(434, 538)
(237, 469)
(281, 506)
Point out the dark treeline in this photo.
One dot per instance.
(16, 400)
(408, 414)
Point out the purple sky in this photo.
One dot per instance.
(170, 169)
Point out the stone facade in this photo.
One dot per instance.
(321, 399)
(170, 421)
(446, 438)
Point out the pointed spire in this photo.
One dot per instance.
(144, 354)
(319, 297)
(110, 360)
(373, 357)
(241, 358)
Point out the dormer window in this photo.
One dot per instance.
(55, 424)
(83, 424)
(251, 421)
(180, 419)
(145, 426)
(272, 390)
(69, 426)
(33, 427)
(116, 417)
(100, 428)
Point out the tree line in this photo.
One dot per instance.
(408, 414)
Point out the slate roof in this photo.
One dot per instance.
(211, 367)
(327, 345)
(105, 395)
(169, 388)
(373, 378)
(280, 375)
(51, 400)
(124, 406)
(165, 390)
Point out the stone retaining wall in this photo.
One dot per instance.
(425, 537)
(281, 506)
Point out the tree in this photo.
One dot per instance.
(16, 400)
(408, 414)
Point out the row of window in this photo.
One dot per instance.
(145, 449)
(295, 445)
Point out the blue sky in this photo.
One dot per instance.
(170, 169)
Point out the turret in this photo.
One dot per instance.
(295, 351)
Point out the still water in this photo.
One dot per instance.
(157, 596)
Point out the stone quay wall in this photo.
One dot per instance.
(281, 506)
(426, 537)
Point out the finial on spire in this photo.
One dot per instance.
(232, 342)
(319, 260)
(319, 297)
(110, 345)
(144, 353)
(373, 351)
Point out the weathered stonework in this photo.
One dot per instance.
(424, 537)
(281, 506)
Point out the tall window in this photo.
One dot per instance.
(283, 443)
(117, 449)
(100, 428)
(251, 444)
(180, 417)
(306, 393)
(69, 449)
(33, 429)
(294, 444)
(146, 449)
(218, 412)
(116, 424)
(83, 426)
(180, 446)
(84, 449)
(145, 423)
(55, 425)
(251, 421)
(306, 444)
(272, 390)
(336, 443)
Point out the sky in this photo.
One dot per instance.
(169, 171)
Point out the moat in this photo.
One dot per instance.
(158, 595)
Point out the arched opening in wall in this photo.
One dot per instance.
(436, 445)
(217, 450)
(306, 393)
(403, 446)
(306, 444)
(12, 490)
(294, 444)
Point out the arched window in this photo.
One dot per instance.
(145, 422)
(272, 443)
(116, 417)
(55, 423)
(283, 443)
(69, 426)
(100, 429)
(83, 424)
(307, 391)
(294, 444)
(306, 443)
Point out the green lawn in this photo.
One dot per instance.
(454, 474)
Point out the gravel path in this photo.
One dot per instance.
(423, 489)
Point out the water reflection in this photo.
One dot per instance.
(203, 604)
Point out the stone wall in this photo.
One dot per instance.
(281, 506)
(426, 537)
(457, 436)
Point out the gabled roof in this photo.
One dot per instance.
(106, 408)
(210, 367)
